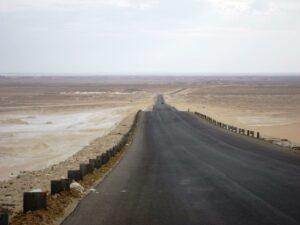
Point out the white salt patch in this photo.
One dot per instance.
(39, 144)
(83, 93)
(121, 93)
(94, 93)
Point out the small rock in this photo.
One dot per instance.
(54, 196)
(76, 186)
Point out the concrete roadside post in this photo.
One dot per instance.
(104, 158)
(101, 161)
(56, 187)
(258, 135)
(74, 175)
(114, 149)
(92, 165)
(85, 169)
(107, 155)
(65, 183)
(95, 163)
(3, 216)
(113, 152)
(34, 200)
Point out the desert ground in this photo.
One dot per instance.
(51, 124)
(45, 120)
(270, 105)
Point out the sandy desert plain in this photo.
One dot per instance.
(50, 124)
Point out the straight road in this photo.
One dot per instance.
(180, 170)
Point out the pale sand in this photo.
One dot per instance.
(274, 110)
(11, 192)
(46, 120)
(35, 141)
(50, 125)
(268, 105)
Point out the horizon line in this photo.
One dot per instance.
(175, 74)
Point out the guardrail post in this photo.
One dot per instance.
(96, 163)
(111, 153)
(105, 158)
(65, 183)
(108, 156)
(58, 186)
(258, 135)
(3, 216)
(85, 169)
(115, 150)
(92, 163)
(34, 200)
(248, 132)
(102, 158)
(74, 175)
(99, 157)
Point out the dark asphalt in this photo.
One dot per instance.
(180, 170)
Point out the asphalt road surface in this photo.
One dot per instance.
(180, 170)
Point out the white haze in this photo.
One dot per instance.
(149, 36)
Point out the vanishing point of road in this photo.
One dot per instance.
(181, 170)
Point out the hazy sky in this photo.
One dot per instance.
(145, 36)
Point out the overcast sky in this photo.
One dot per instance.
(150, 36)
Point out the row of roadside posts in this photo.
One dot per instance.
(234, 129)
(36, 200)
